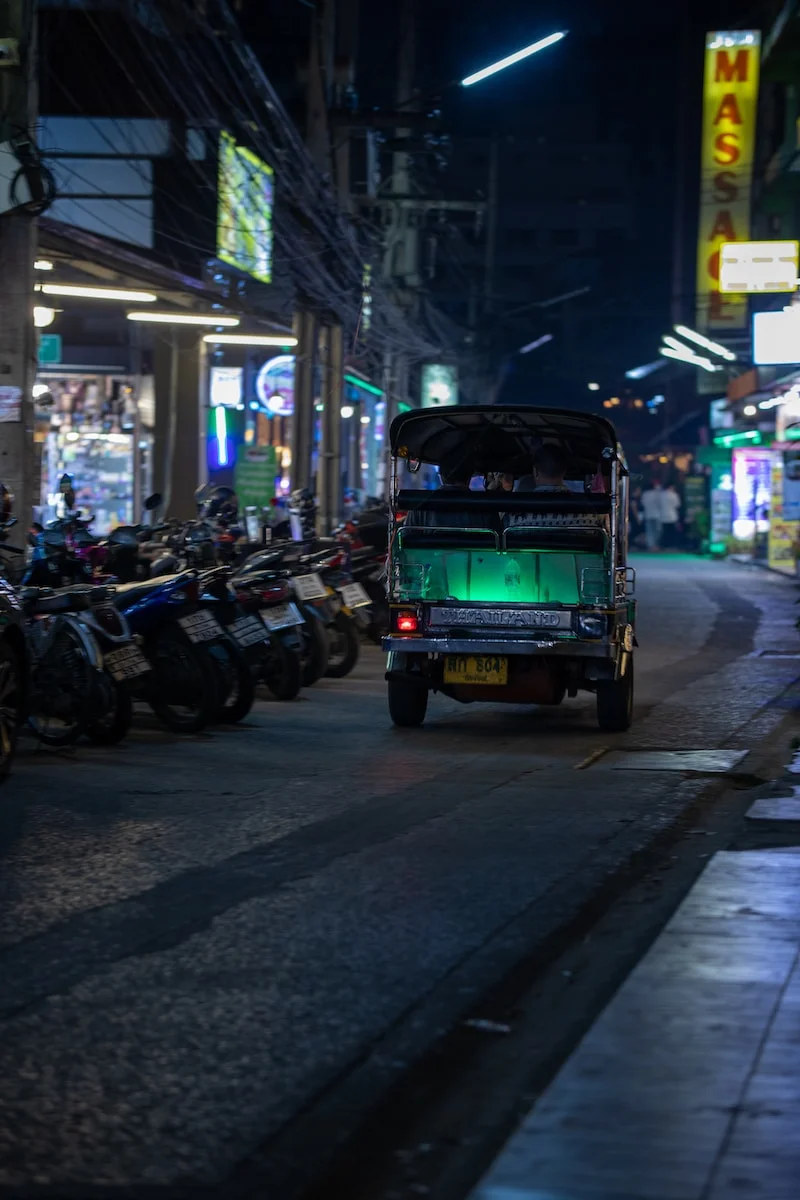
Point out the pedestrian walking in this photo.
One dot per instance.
(653, 510)
(671, 515)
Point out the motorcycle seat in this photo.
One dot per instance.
(127, 594)
(44, 600)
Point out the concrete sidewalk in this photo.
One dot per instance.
(687, 1087)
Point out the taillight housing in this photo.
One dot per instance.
(276, 593)
(406, 620)
(188, 594)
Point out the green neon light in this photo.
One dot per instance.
(354, 381)
(401, 407)
(793, 435)
(750, 437)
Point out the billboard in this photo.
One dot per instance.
(758, 267)
(730, 97)
(246, 188)
(776, 337)
(439, 385)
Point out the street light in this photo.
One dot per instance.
(593, 387)
(700, 339)
(512, 59)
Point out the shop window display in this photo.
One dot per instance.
(89, 429)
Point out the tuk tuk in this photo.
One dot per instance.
(522, 595)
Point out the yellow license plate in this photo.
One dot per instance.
(482, 668)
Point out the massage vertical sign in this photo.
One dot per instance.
(730, 100)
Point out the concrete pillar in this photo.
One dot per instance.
(305, 330)
(179, 454)
(329, 481)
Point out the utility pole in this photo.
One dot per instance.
(402, 250)
(18, 350)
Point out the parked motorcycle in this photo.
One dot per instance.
(182, 690)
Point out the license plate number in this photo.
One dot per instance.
(249, 631)
(481, 668)
(201, 627)
(281, 616)
(310, 587)
(354, 595)
(126, 663)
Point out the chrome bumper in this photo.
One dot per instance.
(395, 644)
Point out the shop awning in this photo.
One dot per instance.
(103, 259)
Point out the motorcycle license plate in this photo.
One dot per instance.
(248, 631)
(281, 616)
(480, 668)
(354, 595)
(126, 663)
(201, 627)
(310, 587)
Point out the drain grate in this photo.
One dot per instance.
(702, 762)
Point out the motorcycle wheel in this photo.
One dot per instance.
(69, 660)
(315, 652)
(283, 670)
(115, 724)
(11, 690)
(183, 693)
(345, 647)
(236, 688)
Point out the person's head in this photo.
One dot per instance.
(550, 465)
(456, 472)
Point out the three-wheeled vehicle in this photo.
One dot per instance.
(522, 596)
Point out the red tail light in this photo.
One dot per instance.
(276, 593)
(399, 517)
(407, 622)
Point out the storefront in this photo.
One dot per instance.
(363, 435)
(90, 426)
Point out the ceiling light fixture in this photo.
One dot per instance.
(250, 339)
(95, 293)
(176, 318)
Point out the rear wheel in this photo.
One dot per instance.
(315, 651)
(10, 705)
(408, 703)
(183, 690)
(615, 701)
(345, 647)
(114, 725)
(236, 688)
(62, 689)
(283, 671)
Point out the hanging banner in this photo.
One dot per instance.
(730, 99)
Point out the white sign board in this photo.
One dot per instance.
(776, 337)
(226, 387)
(748, 267)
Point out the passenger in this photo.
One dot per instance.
(550, 464)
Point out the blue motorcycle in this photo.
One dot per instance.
(174, 632)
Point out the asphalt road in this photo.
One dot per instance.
(217, 952)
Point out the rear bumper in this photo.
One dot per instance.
(562, 648)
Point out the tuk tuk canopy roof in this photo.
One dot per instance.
(500, 438)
